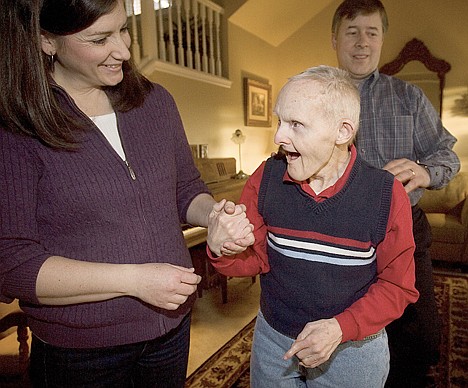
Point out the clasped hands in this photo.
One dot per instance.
(229, 230)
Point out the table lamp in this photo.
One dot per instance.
(238, 138)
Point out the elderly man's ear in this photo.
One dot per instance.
(346, 132)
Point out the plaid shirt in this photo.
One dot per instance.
(398, 121)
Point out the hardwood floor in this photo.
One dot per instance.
(215, 323)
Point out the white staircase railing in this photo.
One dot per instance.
(177, 33)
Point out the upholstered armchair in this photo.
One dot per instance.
(447, 212)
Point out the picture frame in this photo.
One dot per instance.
(194, 149)
(257, 103)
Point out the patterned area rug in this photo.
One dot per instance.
(229, 367)
(451, 291)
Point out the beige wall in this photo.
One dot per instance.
(212, 113)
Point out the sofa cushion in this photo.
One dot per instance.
(446, 228)
(447, 252)
(444, 200)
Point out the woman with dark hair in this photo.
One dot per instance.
(96, 177)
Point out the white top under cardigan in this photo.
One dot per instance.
(108, 125)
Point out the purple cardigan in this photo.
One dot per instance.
(85, 205)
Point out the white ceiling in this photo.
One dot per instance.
(274, 21)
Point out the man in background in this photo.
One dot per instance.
(401, 132)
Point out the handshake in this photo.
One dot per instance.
(229, 230)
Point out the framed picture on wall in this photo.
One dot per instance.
(257, 104)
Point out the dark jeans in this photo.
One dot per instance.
(161, 362)
(414, 339)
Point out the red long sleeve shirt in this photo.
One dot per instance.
(386, 299)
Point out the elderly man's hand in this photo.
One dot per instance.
(316, 343)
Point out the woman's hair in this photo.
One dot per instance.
(349, 9)
(339, 97)
(27, 104)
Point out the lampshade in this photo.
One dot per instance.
(239, 138)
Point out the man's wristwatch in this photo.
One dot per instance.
(427, 168)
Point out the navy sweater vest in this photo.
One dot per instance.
(322, 255)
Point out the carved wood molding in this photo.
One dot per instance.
(416, 50)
